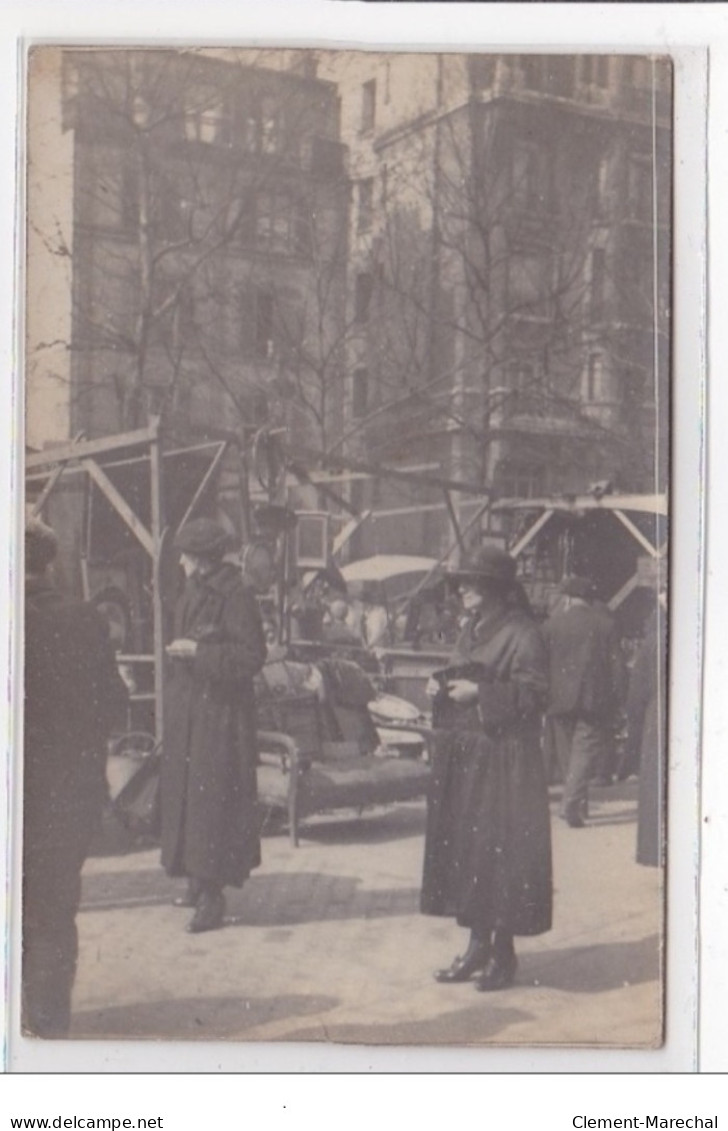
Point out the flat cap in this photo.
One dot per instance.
(488, 563)
(575, 586)
(203, 536)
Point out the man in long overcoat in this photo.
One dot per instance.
(73, 698)
(210, 830)
(587, 679)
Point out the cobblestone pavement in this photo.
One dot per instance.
(325, 942)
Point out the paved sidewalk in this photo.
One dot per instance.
(325, 942)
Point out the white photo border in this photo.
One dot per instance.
(651, 28)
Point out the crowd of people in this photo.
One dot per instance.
(512, 695)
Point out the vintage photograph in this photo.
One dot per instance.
(347, 382)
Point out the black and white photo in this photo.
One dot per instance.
(348, 389)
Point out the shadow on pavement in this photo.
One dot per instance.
(370, 826)
(309, 897)
(268, 900)
(198, 1018)
(594, 969)
(477, 1024)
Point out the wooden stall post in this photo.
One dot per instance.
(157, 513)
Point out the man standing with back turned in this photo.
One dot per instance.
(73, 697)
(586, 683)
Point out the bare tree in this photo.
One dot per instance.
(208, 205)
(509, 312)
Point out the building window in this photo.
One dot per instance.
(172, 326)
(528, 289)
(269, 126)
(595, 70)
(521, 379)
(260, 126)
(239, 220)
(282, 224)
(250, 134)
(363, 296)
(601, 185)
(360, 393)
(208, 123)
(551, 74)
(531, 176)
(637, 275)
(597, 282)
(593, 379)
(368, 105)
(516, 480)
(253, 334)
(263, 324)
(365, 212)
(638, 72)
(559, 71)
(639, 187)
(129, 197)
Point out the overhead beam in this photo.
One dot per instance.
(646, 504)
(120, 505)
(379, 471)
(347, 532)
(303, 476)
(204, 483)
(88, 448)
(530, 534)
(629, 587)
(454, 521)
(637, 534)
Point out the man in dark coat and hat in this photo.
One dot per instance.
(488, 835)
(74, 697)
(210, 831)
(586, 685)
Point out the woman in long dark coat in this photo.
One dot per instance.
(210, 831)
(488, 839)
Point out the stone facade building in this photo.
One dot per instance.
(509, 267)
(209, 210)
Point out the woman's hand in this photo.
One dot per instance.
(432, 687)
(462, 691)
(182, 649)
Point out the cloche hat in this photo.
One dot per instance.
(203, 536)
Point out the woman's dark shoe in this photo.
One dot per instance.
(463, 968)
(190, 897)
(209, 913)
(498, 974)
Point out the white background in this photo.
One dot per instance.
(697, 1037)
